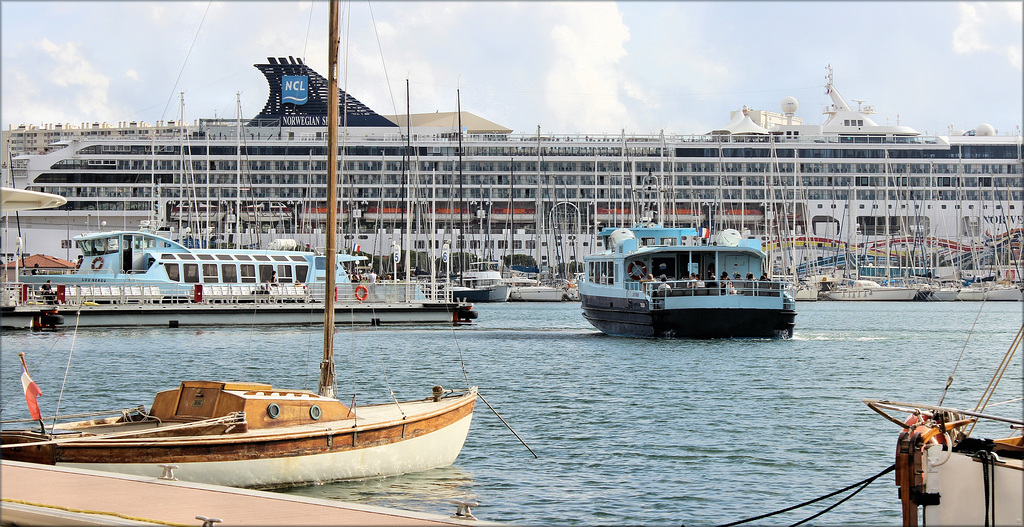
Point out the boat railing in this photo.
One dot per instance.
(67, 295)
(689, 288)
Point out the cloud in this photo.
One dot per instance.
(584, 81)
(132, 74)
(967, 36)
(991, 28)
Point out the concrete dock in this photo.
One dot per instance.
(47, 495)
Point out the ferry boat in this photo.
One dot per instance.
(648, 284)
(141, 278)
(823, 199)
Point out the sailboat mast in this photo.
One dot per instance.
(326, 385)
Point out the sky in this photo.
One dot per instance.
(567, 67)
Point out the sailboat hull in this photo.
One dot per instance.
(438, 448)
(388, 439)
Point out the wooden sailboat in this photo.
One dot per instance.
(253, 435)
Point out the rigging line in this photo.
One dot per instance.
(949, 380)
(56, 341)
(862, 484)
(182, 70)
(990, 390)
(509, 427)
(383, 64)
(309, 25)
(60, 396)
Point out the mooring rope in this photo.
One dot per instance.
(862, 484)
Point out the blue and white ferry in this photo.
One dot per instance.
(141, 278)
(654, 281)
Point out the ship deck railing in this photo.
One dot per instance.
(66, 295)
(689, 288)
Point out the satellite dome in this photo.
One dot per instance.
(789, 105)
(985, 129)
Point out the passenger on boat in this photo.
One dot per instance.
(48, 295)
(648, 278)
(725, 281)
(664, 287)
(764, 277)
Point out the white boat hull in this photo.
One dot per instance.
(436, 449)
(958, 480)
(538, 293)
(1000, 294)
(895, 294)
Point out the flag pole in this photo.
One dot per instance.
(24, 367)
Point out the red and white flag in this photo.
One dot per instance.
(32, 391)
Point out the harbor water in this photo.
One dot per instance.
(626, 431)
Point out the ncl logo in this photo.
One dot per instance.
(294, 89)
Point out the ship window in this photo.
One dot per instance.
(261, 258)
(166, 256)
(266, 273)
(191, 273)
(187, 256)
(243, 257)
(248, 274)
(298, 259)
(210, 273)
(280, 258)
(229, 273)
(206, 257)
(300, 273)
(224, 257)
(284, 274)
(172, 272)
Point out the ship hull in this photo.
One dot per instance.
(627, 319)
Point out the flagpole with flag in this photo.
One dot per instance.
(32, 392)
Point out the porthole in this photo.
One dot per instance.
(273, 410)
(314, 412)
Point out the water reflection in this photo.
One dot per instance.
(429, 491)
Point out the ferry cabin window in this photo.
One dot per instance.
(266, 272)
(300, 273)
(229, 273)
(248, 274)
(172, 272)
(284, 274)
(210, 273)
(191, 273)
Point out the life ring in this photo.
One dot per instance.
(364, 293)
(637, 270)
(97, 263)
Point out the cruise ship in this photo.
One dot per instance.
(845, 197)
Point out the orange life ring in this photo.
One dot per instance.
(637, 270)
(365, 293)
(97, 263)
